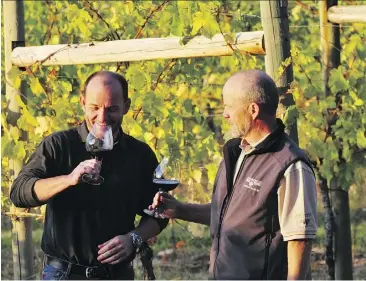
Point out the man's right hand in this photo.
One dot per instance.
(45, 189)
(91, 166)
(172, 208)
(167, 204)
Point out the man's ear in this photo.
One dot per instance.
(82, 102)
(126, 106)
(254, 109)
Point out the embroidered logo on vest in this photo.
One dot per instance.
(253, 184)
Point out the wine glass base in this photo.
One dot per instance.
(154, 213)
(92, 179)
(149, 212)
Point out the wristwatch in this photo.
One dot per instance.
(136, 240)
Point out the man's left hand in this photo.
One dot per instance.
(115, 250)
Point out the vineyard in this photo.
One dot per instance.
(177, 108)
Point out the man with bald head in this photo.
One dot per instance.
(263, 210)
(89, 230)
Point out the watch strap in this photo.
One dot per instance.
(136, 240)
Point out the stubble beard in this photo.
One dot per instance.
(242, 131)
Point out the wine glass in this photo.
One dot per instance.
(99, 139)
(162, 171)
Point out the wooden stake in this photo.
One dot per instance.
(22, 244)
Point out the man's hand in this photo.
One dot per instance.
(45, 189)
(115, 250)
(167, 205)
(91, 166)
(170, 208)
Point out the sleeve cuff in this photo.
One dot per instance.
(161, 222)
(309, 235)
(33, 200)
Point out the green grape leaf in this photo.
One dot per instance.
(14, 76)
(36, 87)
(361, 139)
(337, 82)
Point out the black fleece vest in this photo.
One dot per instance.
(246, 236)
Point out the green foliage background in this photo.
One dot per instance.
(173, 101)
(176, 104)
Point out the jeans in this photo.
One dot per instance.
(52, 273)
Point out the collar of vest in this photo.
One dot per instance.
(268, 143)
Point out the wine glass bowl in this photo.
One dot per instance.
(99, 139)
(164, 177)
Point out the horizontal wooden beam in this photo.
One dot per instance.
(136, 50)
(347, 14)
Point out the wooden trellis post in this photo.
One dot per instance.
(331, 59)
(22, 244)
(275, 24)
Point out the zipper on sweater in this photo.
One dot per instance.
(224, 208)
(268, 242)
(266, 256)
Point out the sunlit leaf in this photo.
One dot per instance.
(14, 77)
(361, 139)
(36, 87)
(337, 81)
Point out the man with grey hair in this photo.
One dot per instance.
(263, 210)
